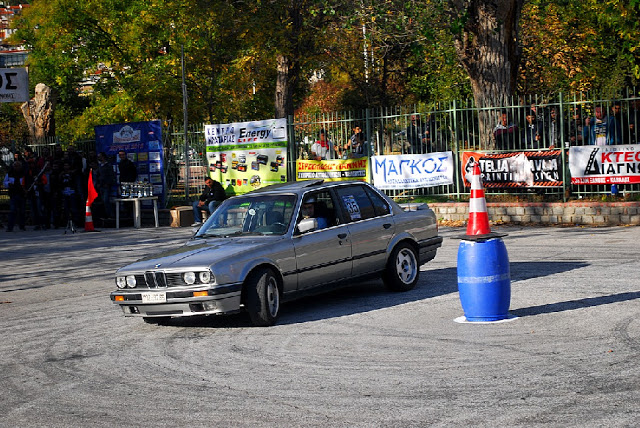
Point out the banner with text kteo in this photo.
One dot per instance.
(605, 164)
(244, 156)
(519, 169)
(412, 171)
(333, 170)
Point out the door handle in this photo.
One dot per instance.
(386, 225)
(342, 235)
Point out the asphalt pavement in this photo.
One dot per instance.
(356, 357)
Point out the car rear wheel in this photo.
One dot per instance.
(402, 269)
(263, 297)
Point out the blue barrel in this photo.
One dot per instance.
(484, 281)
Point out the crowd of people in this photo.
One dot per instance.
(543, 128)
(50, 189)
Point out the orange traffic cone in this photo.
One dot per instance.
(88, 220)
(478, 216)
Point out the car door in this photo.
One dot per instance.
(323, 256)
(370, 224)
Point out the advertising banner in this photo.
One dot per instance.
(412, 171)
(14, 85)
(333, 170)
(244, 156)
(605, 164)
(142, 141)
(519, 169)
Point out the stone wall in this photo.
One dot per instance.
(575, 212)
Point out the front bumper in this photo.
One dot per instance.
(179, 302)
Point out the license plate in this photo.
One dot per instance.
(154, 297)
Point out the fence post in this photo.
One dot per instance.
(291, 150)
(456, 149)
(563, 157)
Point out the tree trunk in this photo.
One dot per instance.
(487, 47)
(39, 113)
(285, 84)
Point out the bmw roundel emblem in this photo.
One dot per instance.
(158, 265)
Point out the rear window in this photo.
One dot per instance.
(355, 203)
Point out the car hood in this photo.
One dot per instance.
(198, 253)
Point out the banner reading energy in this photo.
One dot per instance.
(412, 171)
(333, 170)
(519, 169)
(247, 155)
(605, 164)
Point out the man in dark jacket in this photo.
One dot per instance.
(211, 197)
(128, 171)
(15, 183)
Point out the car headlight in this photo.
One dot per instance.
(121, 281)
(131, 281)
(204, 277)
(189, 277)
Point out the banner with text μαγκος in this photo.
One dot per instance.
(412, 171)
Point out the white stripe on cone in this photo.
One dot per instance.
(88, 220)
(478, 216)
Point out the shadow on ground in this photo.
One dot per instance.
(371, 295)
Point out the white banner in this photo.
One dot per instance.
(14, 85)
(605, 164)
(412, 171)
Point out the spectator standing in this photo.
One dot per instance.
(595, 131)
(322, 149)
(576, 127)
(14, 182)
(104, 182)
(355, 145)
(505, 132)
(128, 171)
(531, 132)
(67, 183)
(212, 196)
(552, 129)
(634, 121)
(416, 135)
(614, 124)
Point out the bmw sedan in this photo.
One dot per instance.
(278, 243)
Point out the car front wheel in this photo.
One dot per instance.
(402, 269)
(263, 298)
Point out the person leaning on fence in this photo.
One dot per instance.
(416, 135)
(212, 195)
(322, 149)
(576, 127)
(505, 133)
(355, 145)
(614, 124)
(595, 130)
(531, 138)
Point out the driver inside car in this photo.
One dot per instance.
(309, 211)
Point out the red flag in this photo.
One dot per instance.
(92, 190)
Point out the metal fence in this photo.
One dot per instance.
(559, 122)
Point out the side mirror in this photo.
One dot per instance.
(307, 225)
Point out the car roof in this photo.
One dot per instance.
(301, 186)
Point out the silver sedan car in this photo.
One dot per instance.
(277, 243)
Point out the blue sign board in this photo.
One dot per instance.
(142, 141)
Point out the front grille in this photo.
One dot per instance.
(155, 279)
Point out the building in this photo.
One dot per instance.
(10, 55)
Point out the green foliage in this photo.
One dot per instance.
(369, 52)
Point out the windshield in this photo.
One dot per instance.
(250, 215)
